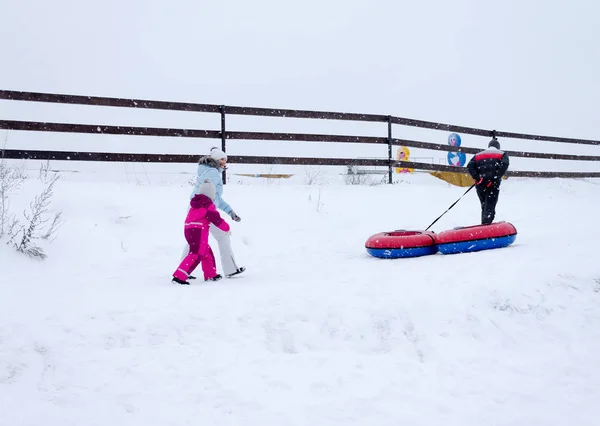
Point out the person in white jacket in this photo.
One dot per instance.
(211, 167)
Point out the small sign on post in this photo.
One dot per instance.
(456, 158)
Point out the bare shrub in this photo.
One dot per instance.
(318, 201)
(35, 219)
(358, 179)
(19, 172)
(10, 180)
(314, 175)
(52, 230)
(22, 235)
(44, 171)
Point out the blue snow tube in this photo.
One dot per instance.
(476, 238)
(401, 244)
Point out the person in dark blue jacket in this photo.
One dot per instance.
(487, 168)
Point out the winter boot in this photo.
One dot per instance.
(215, 278)
(191, 277)
(237, 272)
(176, 280)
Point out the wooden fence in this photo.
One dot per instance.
(224, 135)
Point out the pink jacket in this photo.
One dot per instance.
(203, 213)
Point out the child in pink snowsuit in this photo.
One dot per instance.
(196, 230)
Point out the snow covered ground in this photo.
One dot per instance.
(316, 331)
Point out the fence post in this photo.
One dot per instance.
(222, 110)
(389, 121)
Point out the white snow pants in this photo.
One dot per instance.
(225, 251)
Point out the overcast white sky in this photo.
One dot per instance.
(515, 65)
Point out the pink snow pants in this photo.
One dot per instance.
(200, 252)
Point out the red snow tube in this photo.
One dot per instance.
(401, 243)
(475, 238)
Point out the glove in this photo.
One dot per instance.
(477, 182)
(235, 216)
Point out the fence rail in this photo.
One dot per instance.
(225, 135)
(297, 137)
(268, 112)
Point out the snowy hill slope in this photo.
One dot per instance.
(316, 331)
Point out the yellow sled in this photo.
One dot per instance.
(458, 179)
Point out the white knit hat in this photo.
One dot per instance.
(217, 154)
(208, 188)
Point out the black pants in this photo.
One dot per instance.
(488, 197)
